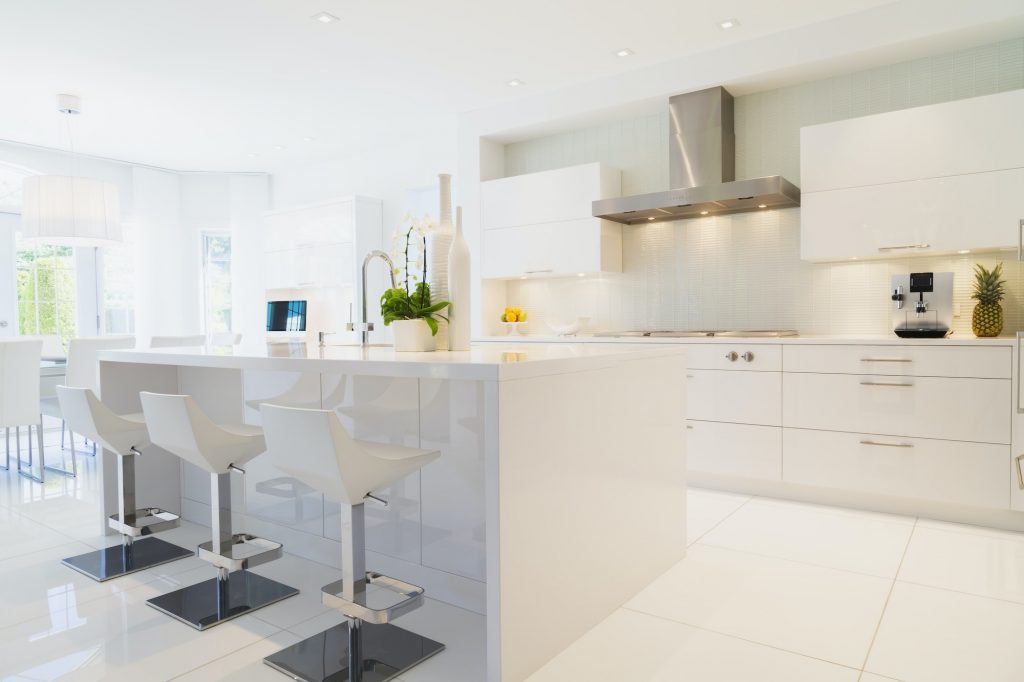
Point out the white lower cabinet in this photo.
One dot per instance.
(924, 407)
(938, 470)
(734, 449)
(735, 396)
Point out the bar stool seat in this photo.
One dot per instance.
(178, 425)
(125, 436)
(313, 447)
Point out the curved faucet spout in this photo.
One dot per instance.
(366, 327)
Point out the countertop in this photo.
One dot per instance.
(497, 361)
(842, 340)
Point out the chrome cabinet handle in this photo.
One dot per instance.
(748, 356)
(1020, 240)
(886, 360)
(886, 445)
(902, 247)
(537, 272)
(884, 383)
(732, 356)
(1020, 472)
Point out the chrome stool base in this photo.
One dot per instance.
(387, 651)
(118, 560)
(214, 601)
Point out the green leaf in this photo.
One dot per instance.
(432, 323)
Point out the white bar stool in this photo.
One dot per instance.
(313, 447)
(177, 425)
(125, 436)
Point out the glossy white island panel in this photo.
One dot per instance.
(559, 494)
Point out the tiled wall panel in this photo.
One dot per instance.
(745, 271)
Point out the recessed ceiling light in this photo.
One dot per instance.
(762, 205)
(726, 24)
(703, 212)
(308, 139)
(514, 83)
(324, 17)
(624, 52)
(278, 147)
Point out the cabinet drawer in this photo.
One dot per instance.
(946, 471)
(734, 449)
(766, 358)
(923, 407)
(950, 361)
(743, 397)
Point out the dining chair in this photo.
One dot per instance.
(19, 398)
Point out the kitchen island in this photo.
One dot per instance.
(559, 494)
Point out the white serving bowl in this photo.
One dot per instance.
(569, 329)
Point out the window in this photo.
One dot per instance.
(46, 290)
(119, 285)
(216, 282)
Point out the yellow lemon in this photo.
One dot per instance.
(521, 317)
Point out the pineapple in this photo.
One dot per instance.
(987, 319)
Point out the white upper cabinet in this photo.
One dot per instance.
(316, 245)
(933, 179)
(540, 224)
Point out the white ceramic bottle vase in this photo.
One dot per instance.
(459, 289)
(438, 244)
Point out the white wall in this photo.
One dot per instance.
(744, 271)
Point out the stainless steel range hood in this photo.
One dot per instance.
(702, 169)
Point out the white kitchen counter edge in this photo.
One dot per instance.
(748, 340)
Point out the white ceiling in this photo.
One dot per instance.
(204, 84)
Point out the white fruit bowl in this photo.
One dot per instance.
(512, 328)
(569, 329)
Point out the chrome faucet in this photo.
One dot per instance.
(365, 327)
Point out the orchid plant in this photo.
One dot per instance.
(412, 301)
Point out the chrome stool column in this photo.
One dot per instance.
(177, 425)
(125, 436)
(313, 447)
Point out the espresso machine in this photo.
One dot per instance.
(922, 305)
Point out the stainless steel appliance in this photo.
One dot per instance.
(702, 169)
(697, 333)
(922, 305)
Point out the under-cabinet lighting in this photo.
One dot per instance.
(726, 24)
(963, 251)
(703, 212)
(762, 205)
(324, 17)
(514, 83)
(580, 274)
(624, 52)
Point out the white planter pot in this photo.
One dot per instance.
(413, 336)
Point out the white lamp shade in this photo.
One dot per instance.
(60, 209)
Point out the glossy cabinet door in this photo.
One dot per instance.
(741, 397)
(976, 362)
(938, 470)
(734, 449)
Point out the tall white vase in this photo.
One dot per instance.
(438, 245)
(459, 289)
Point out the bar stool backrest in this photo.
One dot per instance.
(19, 381)
(313, 447)
(83, 370)
(177, 341)
(85, 414)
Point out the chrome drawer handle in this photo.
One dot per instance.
(732, 356)
(904, 246)
(886, 360)
(748, 356)
(1020, 472)
(887, 445)
(884, 383)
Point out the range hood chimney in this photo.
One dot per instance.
(702, 169)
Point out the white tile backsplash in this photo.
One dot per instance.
(744, 271)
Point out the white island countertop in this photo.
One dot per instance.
(484, 361)
(802, 339)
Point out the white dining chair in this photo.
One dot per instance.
(19, 398)
(177, 341)
(83, 371)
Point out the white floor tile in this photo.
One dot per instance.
(849, 540)
(116, 638)
(244, 665)
(641, 648)
(706, 508)
(987, 564)
(308, 577)
(20, 535)
(931, 635)
(820, 612)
